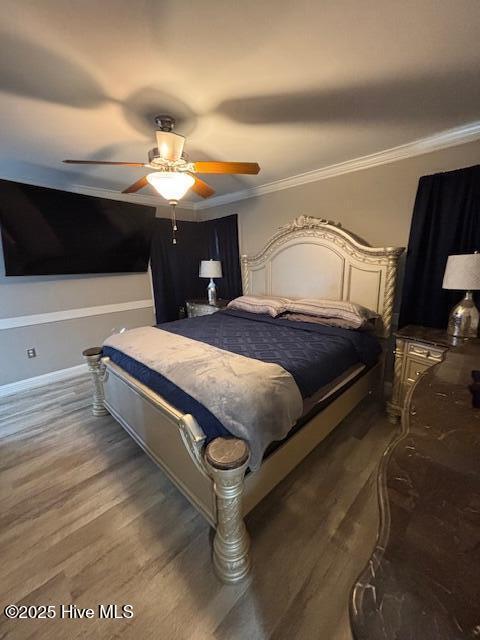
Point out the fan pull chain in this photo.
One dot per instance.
(174, 223)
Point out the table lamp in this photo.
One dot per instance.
(463, 272)
(211, 269)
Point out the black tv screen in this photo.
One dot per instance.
(47, 231)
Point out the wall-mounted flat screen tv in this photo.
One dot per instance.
(47, 231)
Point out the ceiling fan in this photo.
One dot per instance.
(172, 172)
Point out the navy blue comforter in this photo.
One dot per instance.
(313, 354)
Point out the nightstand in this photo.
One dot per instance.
(202, 308)
(416, 350)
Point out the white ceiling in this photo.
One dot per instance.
(293, 85)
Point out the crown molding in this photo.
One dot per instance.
(99, 192)
(442, 140)
(436, 142)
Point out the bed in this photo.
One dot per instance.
(309, 257)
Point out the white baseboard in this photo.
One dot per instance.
(43, 380)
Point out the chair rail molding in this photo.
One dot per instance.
(70, 314)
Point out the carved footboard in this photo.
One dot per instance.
(212, 477)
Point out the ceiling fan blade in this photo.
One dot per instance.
(227, 167)
(121, 164)
(136, 186)
(201, 188)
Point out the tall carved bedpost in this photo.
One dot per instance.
(389, 299)
(245, 275)
(96, 369)
(227, 460)
(394, 407)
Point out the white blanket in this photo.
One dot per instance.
(256, 401)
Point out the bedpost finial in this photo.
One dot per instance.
(227, 453)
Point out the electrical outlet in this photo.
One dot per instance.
(31, 353)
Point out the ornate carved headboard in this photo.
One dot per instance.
(314, 258)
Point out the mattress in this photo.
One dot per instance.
(322, 360)
(332, 389)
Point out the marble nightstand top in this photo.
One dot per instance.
(428, 335)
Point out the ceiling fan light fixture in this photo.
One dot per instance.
(171, 185)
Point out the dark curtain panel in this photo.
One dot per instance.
(223, 245)
(446, 220)
(175, 266)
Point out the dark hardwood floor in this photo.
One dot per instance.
(87, 518)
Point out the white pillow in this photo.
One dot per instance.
(339, 312)
(273, 305)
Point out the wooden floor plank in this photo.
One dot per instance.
(87, 518)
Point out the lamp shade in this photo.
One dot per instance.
(462, 272)
(172, 185)
(210, 269)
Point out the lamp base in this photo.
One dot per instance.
(212, 293)
(463, 320)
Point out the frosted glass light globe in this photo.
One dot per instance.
(171, 185)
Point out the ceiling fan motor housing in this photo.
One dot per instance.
(165, 123)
